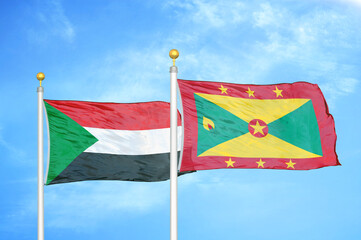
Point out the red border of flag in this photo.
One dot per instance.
(306, 90)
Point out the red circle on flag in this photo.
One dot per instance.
(258, 128)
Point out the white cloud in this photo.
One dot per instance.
(335, 88)
(313, 44)
(210, 13)
(128, 76)
(219, 186)
(85, 204)
(82, 206)
(348, 85)
(267, 16)
(13, 151)
(356, 3)
(52, 22)
(305, 41)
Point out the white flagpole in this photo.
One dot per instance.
(173, 148)
(40, 76)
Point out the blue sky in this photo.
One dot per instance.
(118, 51)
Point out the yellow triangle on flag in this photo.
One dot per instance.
(248, 146)
(246, 109)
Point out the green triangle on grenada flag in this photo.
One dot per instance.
(299, 128)
(216, 125)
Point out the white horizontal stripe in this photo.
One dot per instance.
(126, 142)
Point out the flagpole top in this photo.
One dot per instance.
(173, 54)
(40, 76)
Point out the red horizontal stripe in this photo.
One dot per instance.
(121, 116)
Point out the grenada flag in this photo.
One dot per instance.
(282, 126)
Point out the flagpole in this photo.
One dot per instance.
(173, 148)
(40, 76)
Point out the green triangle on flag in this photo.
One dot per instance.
(216, 125)
(299, 128)
(68, 139)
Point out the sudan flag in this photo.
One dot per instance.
(283, 126)
(108, 141)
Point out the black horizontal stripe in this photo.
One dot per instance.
(100, 166)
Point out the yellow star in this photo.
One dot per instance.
(290, 164)
(258, 128)
(230, 162)
(223, 89)
(250, 93)
(260, 163)
(278, 92)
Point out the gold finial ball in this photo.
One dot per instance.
(40, 76)
(173, 53)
